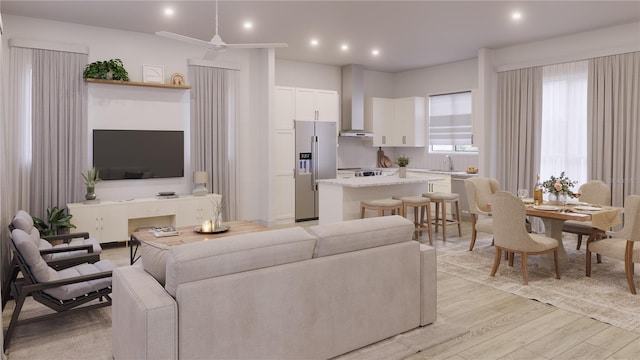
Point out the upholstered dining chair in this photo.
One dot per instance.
(622, 245)
(510, 233)
(479, 191)
(593, 192)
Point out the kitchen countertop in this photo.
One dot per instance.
(367, 181)
(444, 172)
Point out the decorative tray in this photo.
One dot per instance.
(221, 229)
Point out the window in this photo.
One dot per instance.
(563, 145)
(450, 126)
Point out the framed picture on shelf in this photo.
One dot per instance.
(153, 74)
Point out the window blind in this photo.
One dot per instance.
(450, 119)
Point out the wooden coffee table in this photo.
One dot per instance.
(189, 235)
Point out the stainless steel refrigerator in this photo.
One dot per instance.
(316, 144)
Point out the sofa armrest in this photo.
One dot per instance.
(428, 285)
(144, 316)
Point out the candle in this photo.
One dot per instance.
(206, 226)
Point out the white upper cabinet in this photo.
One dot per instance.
(396, 122)
(378, 113)
(316, 105)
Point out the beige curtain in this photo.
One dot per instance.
(519, 118)
(59, 129)
(614, 123)
(213, 103)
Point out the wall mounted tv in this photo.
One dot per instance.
(138, 154)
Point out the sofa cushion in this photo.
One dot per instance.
(233, 254)
(154, 260)
(360, 234)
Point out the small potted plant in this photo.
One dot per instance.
(90, 179)
(107, 70)
(57, 222)
(402, 162)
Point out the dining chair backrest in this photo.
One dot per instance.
(509, 229)
(479, 191)
(635, 231)
(631, 228)
(595, 192)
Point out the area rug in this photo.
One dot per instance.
(604, 296)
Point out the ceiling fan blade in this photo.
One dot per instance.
(257, 46)
(183, 38)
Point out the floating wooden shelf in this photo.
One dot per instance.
(136, 83)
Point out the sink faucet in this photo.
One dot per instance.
(450, 161)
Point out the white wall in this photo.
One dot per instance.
(149, 108)
(308, 75)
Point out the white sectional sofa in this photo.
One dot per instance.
(294, 293)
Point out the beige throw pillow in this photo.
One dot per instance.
(154, 260)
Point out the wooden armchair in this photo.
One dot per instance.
(60, 256)
(62, 291)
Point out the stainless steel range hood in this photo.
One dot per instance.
(353, 102)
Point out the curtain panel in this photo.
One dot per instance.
(213, 103)
(59, 129)
(614, 123)
(519, 118)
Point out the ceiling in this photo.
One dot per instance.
(409, 34)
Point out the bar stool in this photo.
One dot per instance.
(444, 199)
(421, 205)
(381, 205)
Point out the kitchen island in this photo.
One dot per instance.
(340, 198)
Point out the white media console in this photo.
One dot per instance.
(110, 221)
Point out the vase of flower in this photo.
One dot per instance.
(559, 189)
(558, 199)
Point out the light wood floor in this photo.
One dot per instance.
(506, 326)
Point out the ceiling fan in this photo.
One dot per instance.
(216, 43)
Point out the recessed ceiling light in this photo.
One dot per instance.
(248, 25)
(375, 52)
(344, 47)
(516, 15)
(168, 11)
(314, 42)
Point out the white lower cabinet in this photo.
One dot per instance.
(110, 221)
(194, 211)
(104, 222)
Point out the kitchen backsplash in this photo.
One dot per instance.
(358, 152)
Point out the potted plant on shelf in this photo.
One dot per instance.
(402, 162)
(107, 70)
(90, 179)
(58, 222)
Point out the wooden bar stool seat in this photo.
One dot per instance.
(380, 205)
(421, 207)
(445, 198)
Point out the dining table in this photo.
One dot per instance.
(553, 216)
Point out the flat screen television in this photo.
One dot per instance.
(138, 154)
